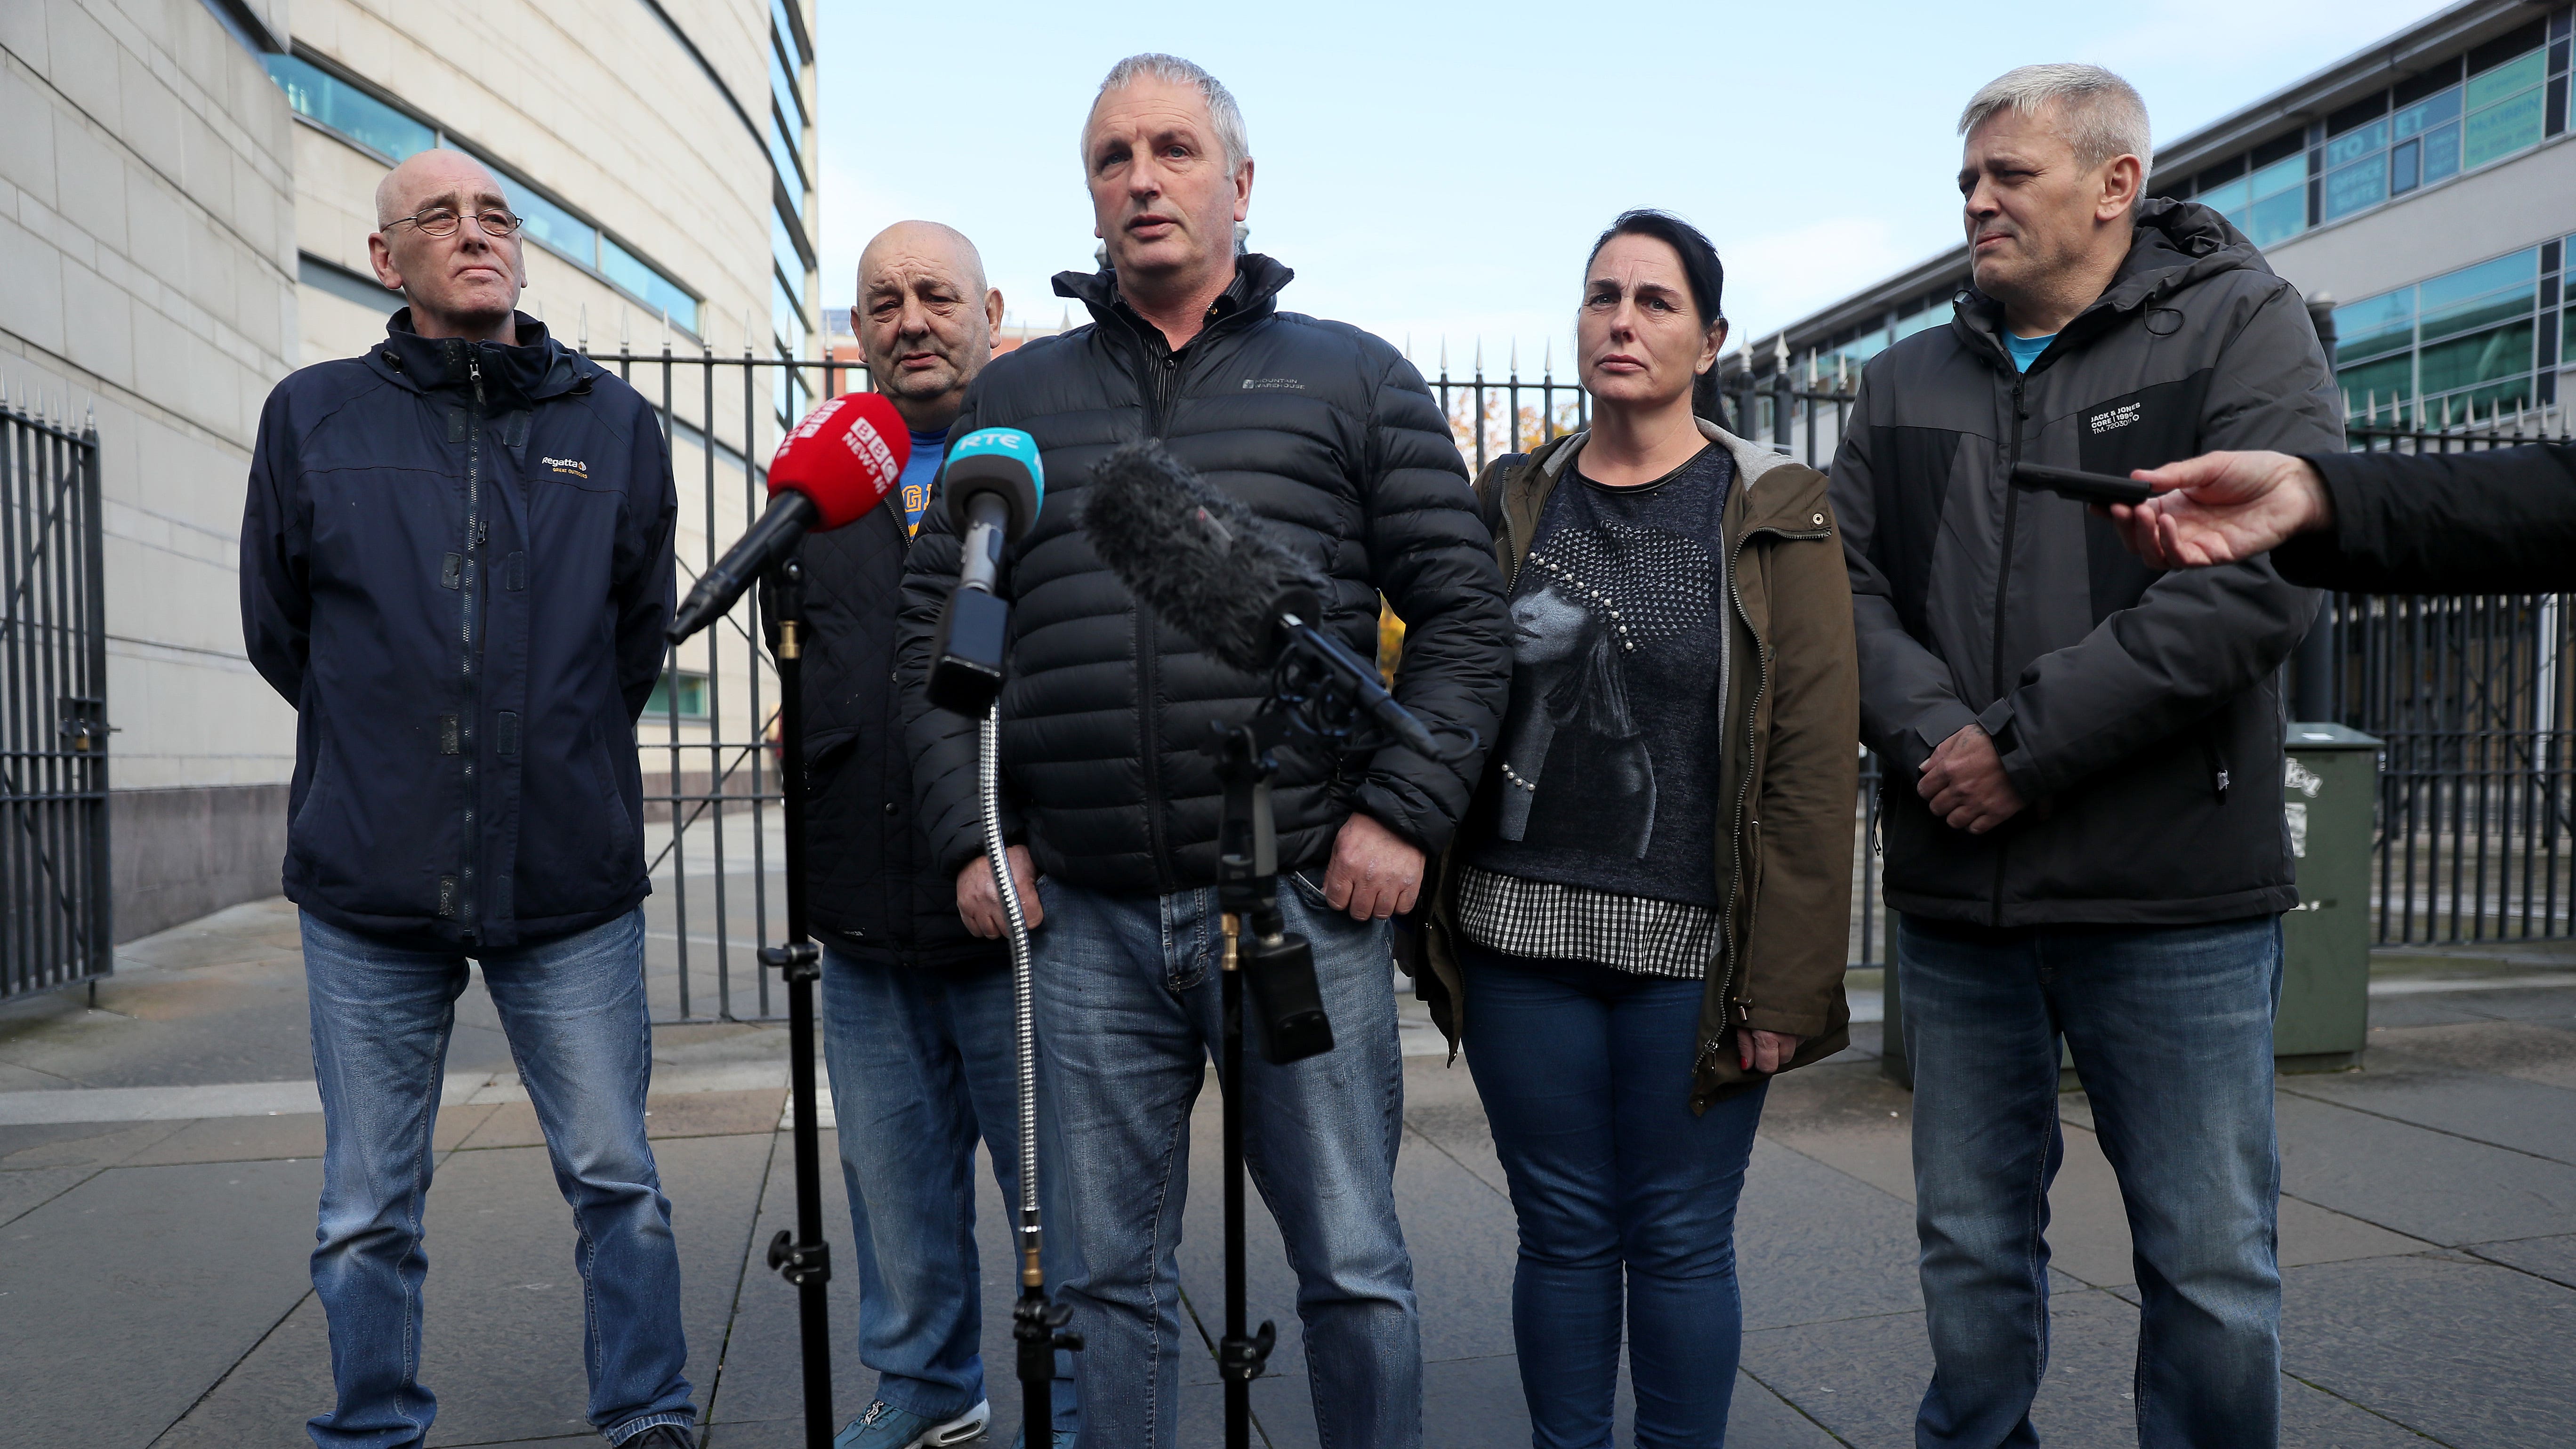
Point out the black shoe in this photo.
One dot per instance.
(661, 1436)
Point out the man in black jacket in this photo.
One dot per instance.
(2501, 521)
(2081, 836)
(456, 565)
(917, 1011)
(1332, 437)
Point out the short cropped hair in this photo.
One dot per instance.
(1700, 265)
(1173, 70)
(2101, 115)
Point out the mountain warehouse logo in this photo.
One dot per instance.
(2118, 417)
(1273, 384)
(574, 466)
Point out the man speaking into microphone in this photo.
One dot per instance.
(1331, 437)
(456, 565)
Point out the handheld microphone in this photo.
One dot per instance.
(1211, 568)
(836, 465)
(994, 483)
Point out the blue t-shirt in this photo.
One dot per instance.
(928, 451)
(2024, 350)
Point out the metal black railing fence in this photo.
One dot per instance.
(714, 843)
(2475, 696)
(57, 924)
(2470, 694)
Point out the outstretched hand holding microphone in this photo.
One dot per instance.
(2223, 508)
(2497, 521)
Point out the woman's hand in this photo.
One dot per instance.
(1765, 1051)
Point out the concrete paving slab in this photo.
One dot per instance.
(266, 1399)
(1847, 1116)
(238, 1139)
(27, 1189)
(687, 1114)
(2534, 1053)
(2413, 1339)
(1813, 1243)
(2411, 1179)
(2510, 1112)
(2553, 1258)
(1862, 1379)
(181, 1268)
(1761, 1419)
(94, 1145)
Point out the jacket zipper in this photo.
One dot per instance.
(467, 903)
(1158, 400)
(1732, 935)
(2003, 583)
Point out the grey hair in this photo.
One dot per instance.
(2100, 114)
(1173, 70)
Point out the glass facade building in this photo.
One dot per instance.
(376, 124)
(2490, 104)
(2483, 337)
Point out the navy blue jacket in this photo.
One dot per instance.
(456, 564)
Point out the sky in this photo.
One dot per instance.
(1435, 172)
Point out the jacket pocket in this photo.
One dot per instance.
(580, 847)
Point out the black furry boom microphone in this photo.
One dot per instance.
(1211, 568)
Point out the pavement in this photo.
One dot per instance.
(158, 1174)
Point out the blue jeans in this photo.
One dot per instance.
(2171, 1031)
(1128, 1018)
(1621, 1191)
(923, 1063)
(574, 1012)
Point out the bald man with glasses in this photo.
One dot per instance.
(456, 565)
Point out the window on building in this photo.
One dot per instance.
(659, 293)
(2459, 115)
(319, 96)
(2426, 353)
(379, 126)
(790, 262)
(685, 688)
(2505, 109)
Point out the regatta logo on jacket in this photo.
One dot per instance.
(2118, 417)
(574, 466)
(1273, 384)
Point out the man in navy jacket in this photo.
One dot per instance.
(456, 563)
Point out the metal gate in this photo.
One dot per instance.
(57, 919)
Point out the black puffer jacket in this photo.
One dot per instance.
(1322, 429)
(872, 888)
(2135, 711)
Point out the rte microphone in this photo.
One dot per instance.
(837, 464)
(993, 484)
(1211, 568)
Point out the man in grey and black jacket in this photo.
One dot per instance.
(2083, 836)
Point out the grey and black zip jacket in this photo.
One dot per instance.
(2135, 711)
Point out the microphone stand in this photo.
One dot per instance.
(802, 1257)
(1036, 1323)
(1247, 892)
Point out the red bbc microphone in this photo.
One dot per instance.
(840, 462)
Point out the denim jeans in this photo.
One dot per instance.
(1621, 1192)
(923, 1064)
(2171, 1030)
(1128, 1018)
(573, 1010)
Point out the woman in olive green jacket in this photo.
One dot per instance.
(1644, 915)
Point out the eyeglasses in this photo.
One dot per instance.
(444, 220)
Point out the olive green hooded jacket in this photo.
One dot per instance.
(1790, 736)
